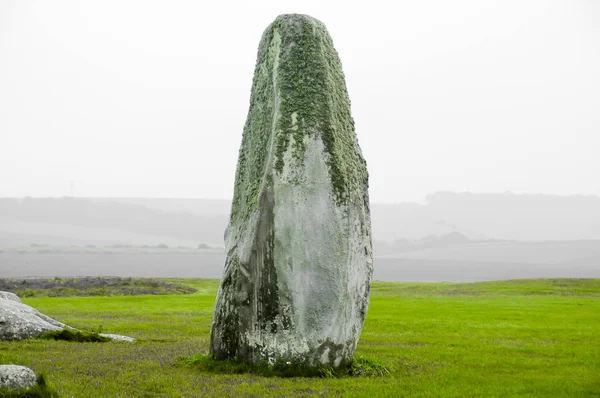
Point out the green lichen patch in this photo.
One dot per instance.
(356, 367)
(254, 149)
(298, 91)
(314, 100)
(74, 336)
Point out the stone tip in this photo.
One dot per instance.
(294, 15)
(296, 18)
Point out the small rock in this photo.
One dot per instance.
(118, 337)
(15, 377)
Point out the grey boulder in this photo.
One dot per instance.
(20, 321)
(14, 377)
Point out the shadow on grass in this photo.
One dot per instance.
(40, 390)
(75, 336)
(356, 367)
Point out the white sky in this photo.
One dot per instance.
(149, 98)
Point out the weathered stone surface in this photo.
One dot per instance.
(295, 286)
(118, 337)
(10, 296)
(14, 377)
(19, 321)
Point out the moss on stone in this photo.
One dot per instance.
(298, 155)
(74, 335)
(257, 130)
(314, 95)
(298, 90)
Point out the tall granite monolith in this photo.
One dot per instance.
(295, 287)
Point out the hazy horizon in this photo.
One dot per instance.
(454, 237)
(422, 202)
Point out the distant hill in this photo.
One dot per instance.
(100, 221)
(189, 222)
(519, 217)
(199, 207)
(477, 216)
(456, 237)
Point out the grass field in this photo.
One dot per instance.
(491, 339)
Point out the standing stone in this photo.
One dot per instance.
(295, 287)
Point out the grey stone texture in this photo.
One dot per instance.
(15, 377)
(20, 321)
(10, 296)
(296, 281)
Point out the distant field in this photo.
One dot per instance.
(192, 263)
(424, 270)
(547, 252)
(23, 233)
(184, 264)
(533, 338)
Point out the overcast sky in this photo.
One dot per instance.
(149, 98)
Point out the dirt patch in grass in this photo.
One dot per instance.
(92, 286)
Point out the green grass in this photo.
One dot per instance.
(515, 287)
(357, 367)
(495, 339)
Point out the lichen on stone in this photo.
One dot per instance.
(298, 90)
(316, 102)
(295, 286)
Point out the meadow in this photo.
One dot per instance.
(538, 338)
